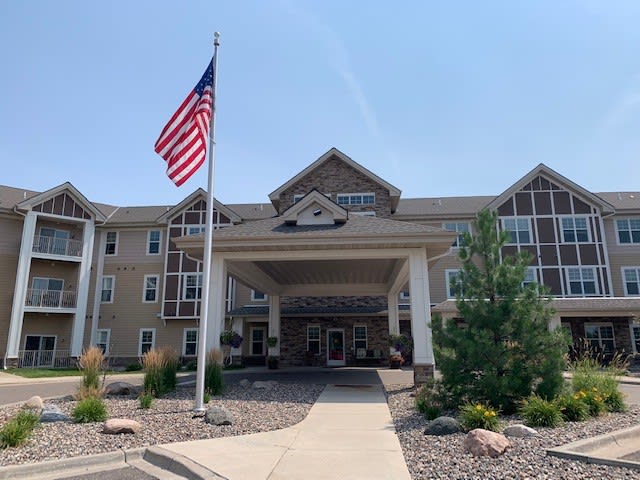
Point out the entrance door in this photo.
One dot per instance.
(335, 347)
(38, 351)
(258, 335)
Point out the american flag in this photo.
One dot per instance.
(183, 140)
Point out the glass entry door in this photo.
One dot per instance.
(38, 351)
(335, 347)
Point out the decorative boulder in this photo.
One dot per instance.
(52, 413)
(245, 383)
(115, 426)
(120, 388)
(519, 431)
(218, 416)
(266, 385)
(484, 443)
(442, 426)
(34, 403)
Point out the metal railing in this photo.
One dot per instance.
(57, 246)
(45, 359)
(50, 298)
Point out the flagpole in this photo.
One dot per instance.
(208, 243)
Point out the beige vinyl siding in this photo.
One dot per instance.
(10, 237)
(8, 267)
(58, 324)
(67, 271)
(132, 246)
(619, 255)
(437, 277)
(243, 296)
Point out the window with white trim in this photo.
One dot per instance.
(258, 296)
(313, 339)
(150, 289)
(635, 337)
(52, 241)
(453, 283)
(190, 342)
(191, 230)
(257, 337)
(574, 230)
(405, 295)
(631, 279)
(600, 336)
(360, 340)
(108, 285)
(519, 230)
(529, 276)
(147, 340)
(153, 242)
(192, 289)
(582, 281)
(356, 199)
(461, 228)
(103, 336)
(111, 245)
(628, 230)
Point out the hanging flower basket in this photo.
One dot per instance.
(231, 339)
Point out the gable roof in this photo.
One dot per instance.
(199, 193)
(31, 201)
(542, 169)
(409, 208)
(394, 192)
(314, 197)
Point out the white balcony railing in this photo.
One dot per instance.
(57, 246)
(50, 299)
(45, 358)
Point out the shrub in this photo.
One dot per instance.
(27, 418)
(153, 364)
(133, 367)
(213, 381)
(171, 364)
(90, 410)
(615, 401)
(538, 412)
(206, 398)
(431, 399)
(479, 416)
(145, 399)
(598, 384)
(572, 407)
(16, 431)
(192, 365)
(594, 401)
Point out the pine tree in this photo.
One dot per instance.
(503, 351)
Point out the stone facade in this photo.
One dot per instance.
(334, 302)
(423, 373)
(621, 330)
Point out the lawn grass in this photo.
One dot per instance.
(53, 372)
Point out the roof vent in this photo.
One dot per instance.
(24, 194)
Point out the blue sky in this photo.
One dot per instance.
(438, 98)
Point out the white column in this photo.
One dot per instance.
(97, 294)
(274, 323)
(394, 318)
(554, 322)
(22, 283)
(217, 288)
(237, 325)
(420, 312)
(82, 293)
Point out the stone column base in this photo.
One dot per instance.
(11, 362)
(423, 373)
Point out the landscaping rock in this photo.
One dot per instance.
(519, 431)
(244, 383)
(266, 384)
(52, 413)
(115, 426)
(120, 388)
(442, 426)
(34, 403)
(484, 443)
(218, 416)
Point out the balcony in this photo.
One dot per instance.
(50, 299)
(45, 359)
(65, 247)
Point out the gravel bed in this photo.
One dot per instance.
(169, 420)
(431, 457)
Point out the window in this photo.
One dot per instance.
(150, 289)
(635, 337)
(47, 292)
(600, 336)
(257, 296)
(313, 339)
(529, 276)
(47, 284)
(453, 283)
(519, 230)
(52, 241)
(147, 340)
(108, 283)
(356, 199)
(461, 228)
(582, 281)
(195, 230)
(574, 230)
(102, 340)
(193, 287)
(190, 342)
(153, 242)
(631, 281)
(257, 340)
(111, 246)
(405, 295)
(628, 230)
(360, 340)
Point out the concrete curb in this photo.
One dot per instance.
(179, 464)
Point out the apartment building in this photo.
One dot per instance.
(334, 263)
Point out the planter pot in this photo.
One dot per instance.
(395, 364)
(272, 363)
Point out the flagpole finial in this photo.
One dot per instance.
(216, 38)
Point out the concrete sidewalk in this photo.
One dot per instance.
(348, 434)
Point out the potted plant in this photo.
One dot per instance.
(395, 361)
(403, 345)
(229, 339)
(272, 362)
(272, 342)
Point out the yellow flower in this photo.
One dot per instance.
(595, 389)
(487, 413)
(478, 407)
